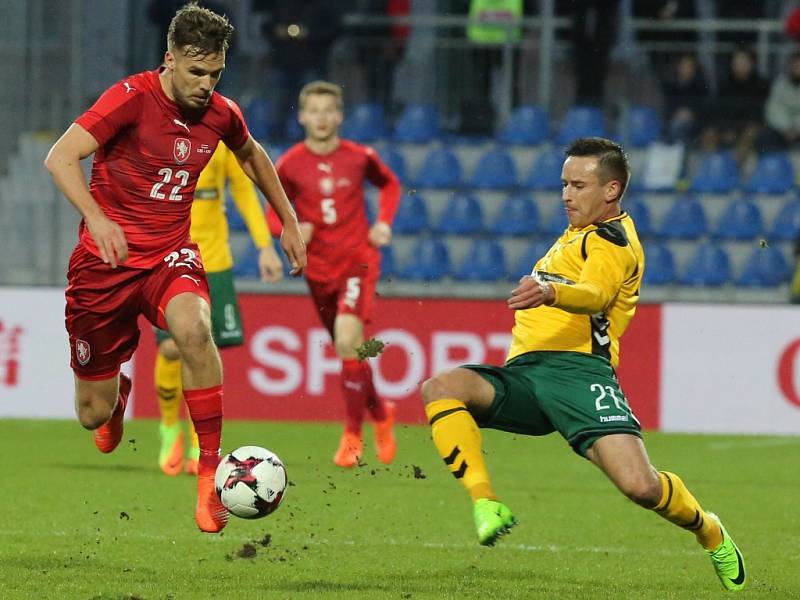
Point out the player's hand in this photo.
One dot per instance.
(295, 248)
(270, 265)
(530, 293)
(380, 234)
(307, 231)
(110, 240)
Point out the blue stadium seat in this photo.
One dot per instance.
(532, 253)
(786, 226)
(259, 114)
(412, 215)
(545, 173)
(764, 267)
(709, 266)
(718, 173)
(640, 214)
(518, 215)
(235, 220)
(292, 129)
(365, 122)
(527, 126)
(418, 124)
(642, 126)
(773, 174)
(462, 215)
(485, 261)
(495, 171)
(396, 162)
(441, 168)
(741, 220)
(685, 220)
(659, 265)
(388, 264)
(430, 260)
(556, 223)
(246, 265)
(581, 121)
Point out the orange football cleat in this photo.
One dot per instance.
(350, 449)
(385, 443)
(210, 514)
(108, 436)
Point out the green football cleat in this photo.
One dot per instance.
(727, 560)
(492, 519)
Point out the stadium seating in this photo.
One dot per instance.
(462, 215)
(495, 171)
(412, 215)
(440, 169)
(773, 174)
(786, 226)
(581, 121)
(685, 220)
(485, 261)
(292, 128)
(526, 261)
(235, 220)
(388, 265)
(417, 124)
(640, 214)
(396, 162)
(659, 265)
(709, 266)
(545, 173)
(764, 267)
(556, 223)
(365, 123)
(641, 127)
(528, 125)
(246, 265)
(259, 114)
(741, 220)
(518, 215)
(429, 261)
(718, 173)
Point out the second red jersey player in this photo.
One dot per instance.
(324, 177)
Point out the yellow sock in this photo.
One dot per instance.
(678, 506)
(458, 440)
(193, 439)
(168, 389)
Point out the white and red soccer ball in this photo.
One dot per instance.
(250, 482)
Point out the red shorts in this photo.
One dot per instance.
(352, 294)
(104, 304)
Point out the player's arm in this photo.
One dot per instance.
(380, 175)
(63, 162)
(259, 168)
(249, 206)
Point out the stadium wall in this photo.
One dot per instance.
(685, 367)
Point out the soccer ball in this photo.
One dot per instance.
(250, 482)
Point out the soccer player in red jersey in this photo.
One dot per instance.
(324, 176)
(151, 135)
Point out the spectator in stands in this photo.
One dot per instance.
(739, 108)
(686, 95)
(783, 109)
(593, 31)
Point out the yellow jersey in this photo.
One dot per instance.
(209, 223)
(596, 273)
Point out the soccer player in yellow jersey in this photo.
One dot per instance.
(559, 376)
(210, 231)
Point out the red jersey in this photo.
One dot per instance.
(328, 191)
(150, 154)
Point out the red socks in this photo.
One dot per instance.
(376, 406)
(205, 408)
(359, 393)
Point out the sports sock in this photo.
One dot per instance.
(195, 443)
(205, 408)
(375, 405)
(458, 440)
(678, 506)
(354, 389)
(168, 388)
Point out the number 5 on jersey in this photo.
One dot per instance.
(328, 206)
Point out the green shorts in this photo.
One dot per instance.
(226, 322)
(576, 394)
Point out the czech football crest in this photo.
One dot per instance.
(83, 352)
(182, 150)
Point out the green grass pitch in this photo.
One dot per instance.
(77, 524)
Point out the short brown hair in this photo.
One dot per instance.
(321, 87)
(200, 30)
(612, 161)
